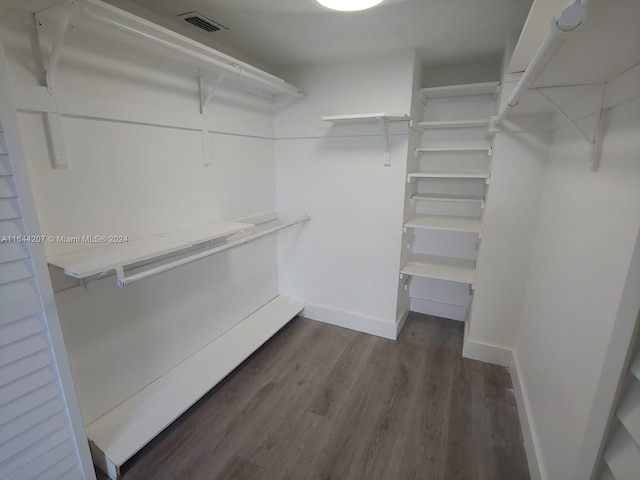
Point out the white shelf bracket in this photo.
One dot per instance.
(560, 112)
(384, 127)
(55, 131)
(205, 99)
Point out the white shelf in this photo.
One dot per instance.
(441, 268)
(443, 222)
(108, 257)
(463, 174)
(453, 124)
(366, 118)
(431, 197)
(487, 88)
(124, 430)
(422, 150)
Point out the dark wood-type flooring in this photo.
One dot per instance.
(324, 402)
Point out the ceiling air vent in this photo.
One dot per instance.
(202, 22)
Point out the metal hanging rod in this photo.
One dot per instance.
(570, 19)
(124, 281)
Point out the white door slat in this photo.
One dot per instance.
(622, 456)
(23, 348)
(17, 290)
(32, 417)
(7, 187)
(14, 251)
(32, 435)
(46, 465)
(28, 402)
(27, 384)
(64, 469)
(18, 309)
(5, 165)
(9, 207)
(11, 228)
(26, 457)
(19, 330)
(3, 145)
(24, 366)
(629, 412)
(14, 271)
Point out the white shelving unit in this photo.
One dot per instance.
(443, 222)
(441, 268)
(381, 118)
(123, 431)
(102, 259)
(446, 190)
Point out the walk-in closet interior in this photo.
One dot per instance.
(182, 180)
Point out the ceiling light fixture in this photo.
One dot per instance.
(349, 5)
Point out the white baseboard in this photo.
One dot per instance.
(400, 321)
(484, 352)
(437, 309)
(531, 444)
(353, 321)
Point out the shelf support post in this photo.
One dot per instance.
(384, 126)
(55, 130)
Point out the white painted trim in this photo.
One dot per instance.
(487, 353)
(351, 320)
(32, 228)
(531, 443)
(438, 309)
(400, 321)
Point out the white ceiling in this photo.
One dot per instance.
(277, 33)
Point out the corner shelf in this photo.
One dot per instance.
(462, 174)
(486, 88)
(382, 119)
(432, 197)
(452, 124)
(441, 268)
(102, 259)
(444, 222)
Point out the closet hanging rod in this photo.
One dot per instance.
(208, 56)
(124, 281)
(570, 19)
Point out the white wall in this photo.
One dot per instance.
(587, 229)
(136, 180)
(345, 263)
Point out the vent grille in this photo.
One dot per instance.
(198, 20)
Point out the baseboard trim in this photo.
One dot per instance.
(530, 439)
(438, 309)
(400, 321)
(487, 353)
(353, 321)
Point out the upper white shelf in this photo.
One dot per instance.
(108, 257)
(441, 268)
(483, 149)
(432, 197)
(487, 88)
(484, 122)
(444, 222)
(462, 174)
(366, 118)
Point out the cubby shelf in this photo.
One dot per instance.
(445, 222)
(441, 268)
(462, 174)
(452, 124)
(432, 197)
(93, 261)
(487, 88)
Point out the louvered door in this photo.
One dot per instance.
(36, 437)
(621, 457)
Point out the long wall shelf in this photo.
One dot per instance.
(423, 150)
(441, 268)
(487, 88)
(443, 222)
(105, 258)
(366, 118)
(484, 122)
(466, 174)
(432, 197)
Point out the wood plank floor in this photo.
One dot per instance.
(322, 402)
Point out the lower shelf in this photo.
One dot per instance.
(441, 268)
(120, 433)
